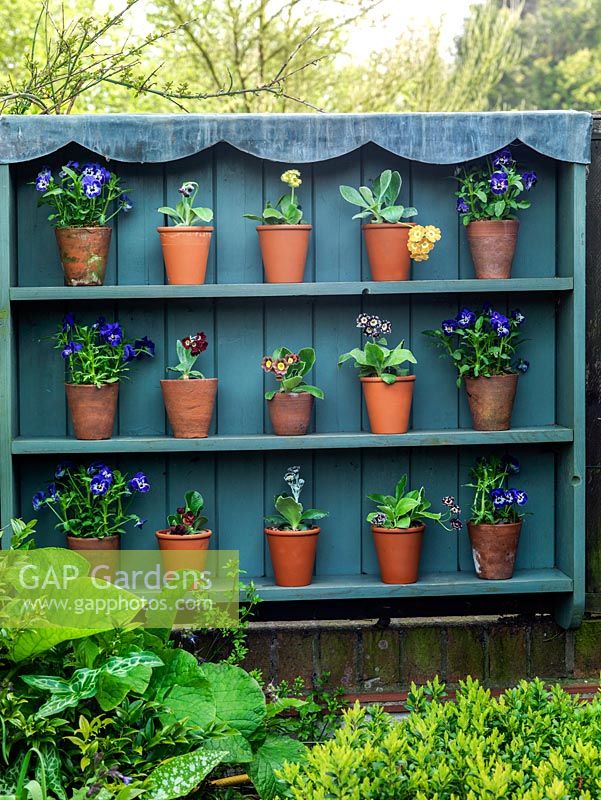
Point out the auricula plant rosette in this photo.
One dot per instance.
(289, 369)
(287, 210)
(185, 213)
(376, 359)
(188, 350)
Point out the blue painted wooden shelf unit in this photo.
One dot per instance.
(239, 468)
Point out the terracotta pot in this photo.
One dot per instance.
(93, 409)
(388, 404)
(491, 401)
(398, 553)
(189, 405)
(185, 251)
(85, 544)
(386, 245)
(290, 413)
(83, 253)
(494, 548)
(284, 251)
(492, 245)
(292, 555)
(183, 552)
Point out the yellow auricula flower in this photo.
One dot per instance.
(416, 233)
(432, 233)
(292, 178)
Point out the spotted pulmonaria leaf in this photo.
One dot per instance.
(179, 776)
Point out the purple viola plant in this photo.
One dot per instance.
(482, 344)
(495, 502)
(82, 196)
(92, 501)
(494, 189)
(100, 353)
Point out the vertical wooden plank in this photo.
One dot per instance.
(432, 195)
(240, 508)
(193, 472)
(537, 477)
(535, 252)
(535, 397)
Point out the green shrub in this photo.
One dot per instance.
(528, 744)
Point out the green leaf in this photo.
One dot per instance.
(352, 196)
(306, 388)
(374, 356)
(113, 689)
(179, 776)
(394, 188)
(269, 758)
(194, 501)
(203, 214)
(388, 378)
(307, 356)
(254, 217)
(410, 211)
(392, 213)
(239, 700)
(357, 354)
(367, 195)
(399, 489)
(271, 394)
(291, 383)
(382, 183)
(399, 355)
(273, 213)
(170, 212)
(313, 513)
(290, 510)
(233, 745)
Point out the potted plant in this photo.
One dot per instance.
(398, 528)
(283, 236)
(387, 385)
(292, 534)
(390, 242)
(488, 198)
(96, 357)
(186, 529)
(496, 521)
(84, 200)
(91, 504)
(190, 398)
(186, 243)
(482, 347)
(291, 405)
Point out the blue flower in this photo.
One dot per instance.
(502, 330)
(73, 165)
(449, 326)
(139, 483)
(517, 316)
(499, 183)
(523, 365)
(530, 179)
(53, 493)
(521, 498)
(503, 158)
(38, 500)
(43, 178)
(500, 324)
(99, 323)
(511, 464)
(462, 206)
(129, 353)
(510, 496)
(144, 346)
(465, 318)
(91, 187)
(99, 486)
(126, 203)
(68, 321)
(63, 468)
(498, 498)
(487, 308)
(112, 333)
(140, 522)
(97, 172)
(72, 347)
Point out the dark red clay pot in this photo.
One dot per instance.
(494, 548)
(292, 555)
(185, 252)
(93, 409)
(491, 401)
(386, 245)
(290, 413)
(388, 404)
(284, 251)
(83, 253)
(398, 553)
(189, 405)
(492, 245)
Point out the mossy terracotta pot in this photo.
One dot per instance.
(388, 404)
(185, 252)
(492, 245)
(386, 245)
(91, 544)
(83, 253)
(398, 552)
(292, 555)
(494, 548)
(93, 409)
(284, 251)
(183, 552)
(189, 405)
(491, 401)
(290, 413)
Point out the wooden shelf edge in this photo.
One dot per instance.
(316, 441)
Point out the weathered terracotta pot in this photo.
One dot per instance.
(494, 548)
(93, 409)
(386, 245)
(183, 552)
(398, 553)
(492, 245)
(284, 251)
(491, 401)
(388, 404)
(87, 544)
(292, 555)
(185, 252)
(290, 413)
(83, 253)
(189, 405)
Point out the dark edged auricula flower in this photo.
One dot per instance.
(499, 183)
(186, 189)
(139, 483)
(529, 179)
(449, 326)
(462, 206)
(502, 159)
(448, 500)
(465, 318)
(378, 519)
(38, 500)
(523, 365)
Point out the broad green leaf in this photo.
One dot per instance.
(170, 212)
(179, 776)
(273, 213)
(113, 689)
(410, 211)
(270, 757)
(313, 513)
(284, 704)
(194, 501)
(352, 196)
(270, 395)
(394, 188)
(203, 214)
(382, 183)
(239, 700)
(367, 194)
(400, 487)
(357, 354)
(307, 357)
(290, 510)
(233, 745)
(313, 390)
(388, 378)
(374, 356)
(399, 355)
(392, 213)
(291, 383)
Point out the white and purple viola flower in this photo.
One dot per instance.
(139, 483)
(499, 182)
(502, 159)
(529, 180)
(465, 318)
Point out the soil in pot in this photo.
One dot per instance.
(388, 404)
(183, 552)
(93, 409)
(185, 252)
(292, 555)
(494, 548)
(492, 245)
(83, 253)
(284, 251)
(290, 413)
(189, 405)
(386, 245)
(491, 401)
(398, 553)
